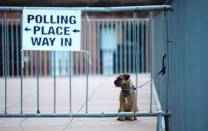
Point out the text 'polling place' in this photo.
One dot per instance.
(52, 30)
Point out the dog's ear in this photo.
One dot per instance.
(127, 76)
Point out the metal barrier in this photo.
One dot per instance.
(110, 46)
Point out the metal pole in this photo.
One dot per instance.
(151, 75)
(136, 53)
(54, 93)
(167, 53)
(7, 48)
(37, 74)
(87, 61)
(159, 115)
(21, 82)
(21, 73)
(159, 122)
(97, 9)
(6, 66)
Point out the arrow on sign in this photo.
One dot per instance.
(27, 29)
(75, 30)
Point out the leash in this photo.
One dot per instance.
(162, 72)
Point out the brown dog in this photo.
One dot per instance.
(127, 96)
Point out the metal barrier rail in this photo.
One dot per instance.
(98, 9)
(90, 114)
(159, 115)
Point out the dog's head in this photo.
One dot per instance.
(122, 80)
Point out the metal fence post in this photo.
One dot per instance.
(151, 73)
(136, 53)
(159, 122)
(87, 60)
(54, 84)
(37, 76)
(5, 63)
(21, 72)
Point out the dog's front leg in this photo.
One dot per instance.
(121, 109)
(132, 108)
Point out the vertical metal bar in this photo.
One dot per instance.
(87, 59)
(7, 48)
(136, 52)
(5, 70)
(37, 75)
(167, 53)
(88, 44)
(159, 122)
(70, 83)
(21, 70)
(12, 46)
(54, 93)
(21, 82)
(151, 75)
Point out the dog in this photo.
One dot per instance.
(127, 96)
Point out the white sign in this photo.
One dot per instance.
(52, 30)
